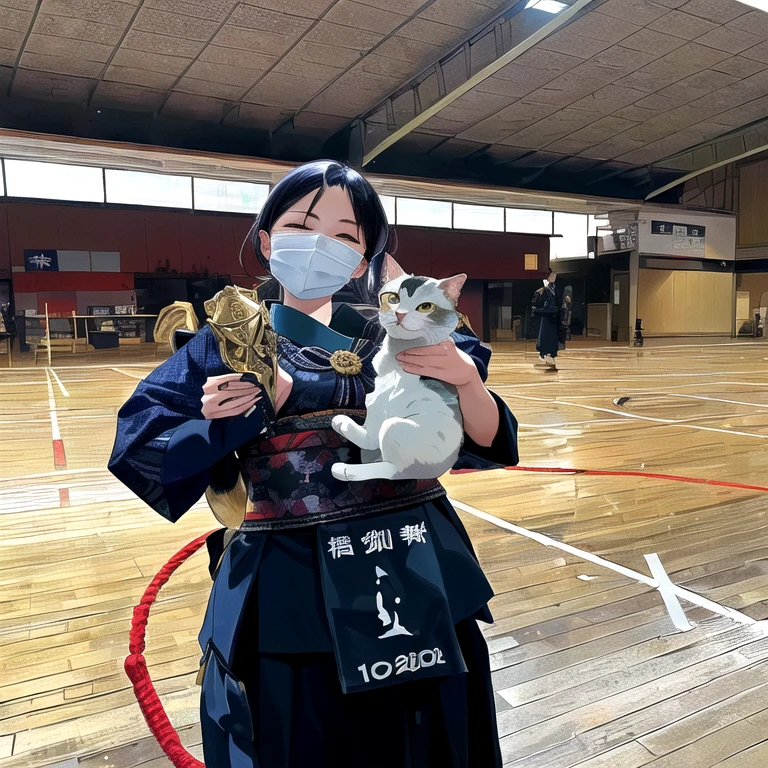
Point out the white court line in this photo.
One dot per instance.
(630, 391)
(669, 422)
(685, 594)
(87, 366)
(56, 434)
(717, 400)
(653, 347)
(72, 414)
(568, 424)
(128, 373)
(665, 390)
(667, 592)
(36, 382)
(636, 377)
(60, 473)
(61, 386)
(658, 395)
(22, 421)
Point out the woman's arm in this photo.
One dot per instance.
(479, 410)
(490, 429)
(165, 449)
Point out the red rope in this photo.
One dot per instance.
(136, 665)
(626, 473)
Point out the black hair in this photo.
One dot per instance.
(369, 214)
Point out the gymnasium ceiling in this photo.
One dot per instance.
(606, 97)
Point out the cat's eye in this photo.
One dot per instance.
(427, 306)
(389, 299)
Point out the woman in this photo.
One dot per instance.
(275, 666)
(545, 306)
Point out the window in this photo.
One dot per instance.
(424, 213)
(484, 217)
(761, 5)
(54, 181)
(139, 188)
(531, 262)
(388, 201)
(549, 6)
(229, 196)
(525, 221)
(573, 243)
(594, 223)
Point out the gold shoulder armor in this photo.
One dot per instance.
(464, 321)
(246, 340)
(247, 344)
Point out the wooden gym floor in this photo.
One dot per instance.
(588, 666)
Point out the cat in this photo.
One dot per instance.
(413, 427)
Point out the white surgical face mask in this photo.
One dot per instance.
(311, 266)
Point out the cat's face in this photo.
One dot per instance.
(420, 309)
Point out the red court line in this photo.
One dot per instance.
(59, 457)
(626, 473)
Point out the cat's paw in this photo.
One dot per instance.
(341, 424)
(340, 470)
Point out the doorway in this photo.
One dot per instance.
(501, 324)
(620, 310)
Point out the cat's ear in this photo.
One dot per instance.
(392, 270)
(451, 286)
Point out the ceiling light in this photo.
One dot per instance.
(759, 4)
(552, 6)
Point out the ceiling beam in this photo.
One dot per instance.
(23, 46)
(709, 155)
(509, 37)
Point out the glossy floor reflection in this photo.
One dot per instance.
(590, 670)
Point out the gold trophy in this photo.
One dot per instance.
(247, 344)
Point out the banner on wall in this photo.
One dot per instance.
(686, 239)
(41, 260)
(48, 260)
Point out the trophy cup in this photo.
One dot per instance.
(247, 344)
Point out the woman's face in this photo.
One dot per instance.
(332, 216)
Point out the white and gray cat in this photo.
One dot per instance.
(413, 427)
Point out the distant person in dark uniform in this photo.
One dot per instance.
(546, 309)
(565, 317)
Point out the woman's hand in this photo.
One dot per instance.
(444, 362)
(447, 363)
(227, 395)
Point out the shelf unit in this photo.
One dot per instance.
(131, 329)
(72, 331)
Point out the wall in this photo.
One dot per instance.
(144, 238)
(482, 255)
(191, 242)
(741, 187)
(471, 304)
(676, 302)
(754, 282)
(5, 251)
(715, 189)
(719, 240)
(753, 194)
